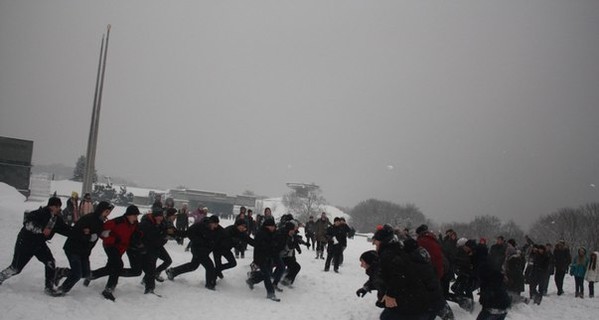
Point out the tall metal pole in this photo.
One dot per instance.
(93, 131)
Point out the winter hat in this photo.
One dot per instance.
(482, 240)
(171, 212)
(132, 211)
(269, 222)
(423, 228)
(213, 219)
(157, 212)
(370, 257)
(289, 225)
(384, 234)
(74, 194)
(470, 244)
(102, 206)
(54, 201)
(240, 222)
(461, 242)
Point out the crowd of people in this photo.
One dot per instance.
(415, 276)
(143, 240)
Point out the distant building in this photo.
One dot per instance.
(15, 163)
(217, 203)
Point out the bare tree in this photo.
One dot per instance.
(305, 204)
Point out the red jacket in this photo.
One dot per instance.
(118, 233)
(429, 242)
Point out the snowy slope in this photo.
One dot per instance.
(317, 295)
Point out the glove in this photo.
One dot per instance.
(361, 292)
(299, 250)
(93, 238)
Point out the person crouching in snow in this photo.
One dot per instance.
(369, 260)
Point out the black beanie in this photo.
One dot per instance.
(423, 228)
(157, 212)
(171, 212)
(102, 206)
(370, 257)
(269, 222)
(384, 234)
(213, 219)
(240, 222)
(54, 201)
(132, 211)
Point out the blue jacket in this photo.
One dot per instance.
(578, 269)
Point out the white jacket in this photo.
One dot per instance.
(593, 275)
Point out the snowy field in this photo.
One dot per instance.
(316, 294)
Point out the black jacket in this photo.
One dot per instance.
(81, 243)
(201, 236)
(493, 294)
(153, 234)
(230, 237)
(400, 278)
(265, 247)
(562, 258)
(36, 221)
(339, 233)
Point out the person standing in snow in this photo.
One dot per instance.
(513, 269)
(79, 244)
(539, 267)
(494, 297)
(71, 212)
(86, 206)
(182, 222)
(320, 232)
(578, 269)
(592, 274)
(497, 252)
(241, 246)
(337, 241)
(563, 258)
(38, 227)
(309, 228)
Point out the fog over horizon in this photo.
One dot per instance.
(461, 108)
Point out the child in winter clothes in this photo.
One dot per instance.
(577, 269)
(592, 274)
(369, 260)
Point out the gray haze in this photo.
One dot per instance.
(463, 108)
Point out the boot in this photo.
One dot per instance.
(107, 293)
(169, 274)
(272, 297)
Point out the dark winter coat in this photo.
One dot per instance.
(119, 233)
(266, 249)
(201, 237)
(153, 234)
(538, 267)
(182, 221)
(514, 268)
(337, 235)
(320, 229)
(450, 250)
(400, 278)
(230, 237)
(36, 221)
(562, 258)
(493, 293)
(310, 228)
(81, 243)
(497, 255)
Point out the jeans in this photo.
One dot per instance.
(79, 269)
(579, 281)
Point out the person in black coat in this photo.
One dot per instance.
(229, 238)
(369, 260)
(404, 287)
(266, 250)
(539, 266)
(337, 241)
(153, 238)
(203, 237)
(562, 258)
(514, 272)
(39, 226)
(493, 295)
(82, 239)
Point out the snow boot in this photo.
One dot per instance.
(276, 287)
(159, 278)
(169, 274)
(60, 273)
(107, 294)
(272, 297)
(50, 291)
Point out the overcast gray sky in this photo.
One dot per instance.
(463, 108)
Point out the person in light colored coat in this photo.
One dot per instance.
(592, 274)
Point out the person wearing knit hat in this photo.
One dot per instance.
(264, 257)
(421, 229)
(84, 235)
(120, 234)
(202, 236)
(369, 260)
(38, 227)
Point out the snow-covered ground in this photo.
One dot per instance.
(316, 295)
